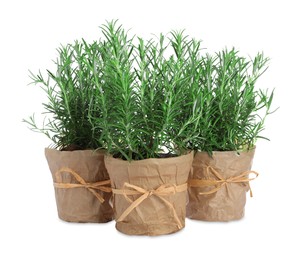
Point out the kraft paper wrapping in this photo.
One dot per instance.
(75, 201)
(149, 195)
(228, 201)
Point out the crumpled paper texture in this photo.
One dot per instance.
(79, 204)
(228, 203)
(152, 217)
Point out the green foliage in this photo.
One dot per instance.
(117, 95)
(234, 111)
(148, 99)
(70, 92)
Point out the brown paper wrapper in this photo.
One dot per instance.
(79, 204)
(152, 184)
(228, 202)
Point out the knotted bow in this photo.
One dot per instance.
(242, 178)
(163, 190)
(82, 183)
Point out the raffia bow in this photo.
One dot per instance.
(242, 178)
(101, 185)
(163, 190)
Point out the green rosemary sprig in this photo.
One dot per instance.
(70, 96)
(235, 110)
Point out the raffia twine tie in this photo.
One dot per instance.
(163, 190)
(92, 187)
(242, 178)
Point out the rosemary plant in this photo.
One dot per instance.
(70, 92)
(150, 100)
(235, 111)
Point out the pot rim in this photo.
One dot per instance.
(169, 160)
(97, 151)
(227, 152)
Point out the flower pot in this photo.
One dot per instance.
(82, 186)
(218, 185)
(149, 195)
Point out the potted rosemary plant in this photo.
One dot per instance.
(144, 131)
(231, 122)
(81, 182)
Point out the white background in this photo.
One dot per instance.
(30, 33)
